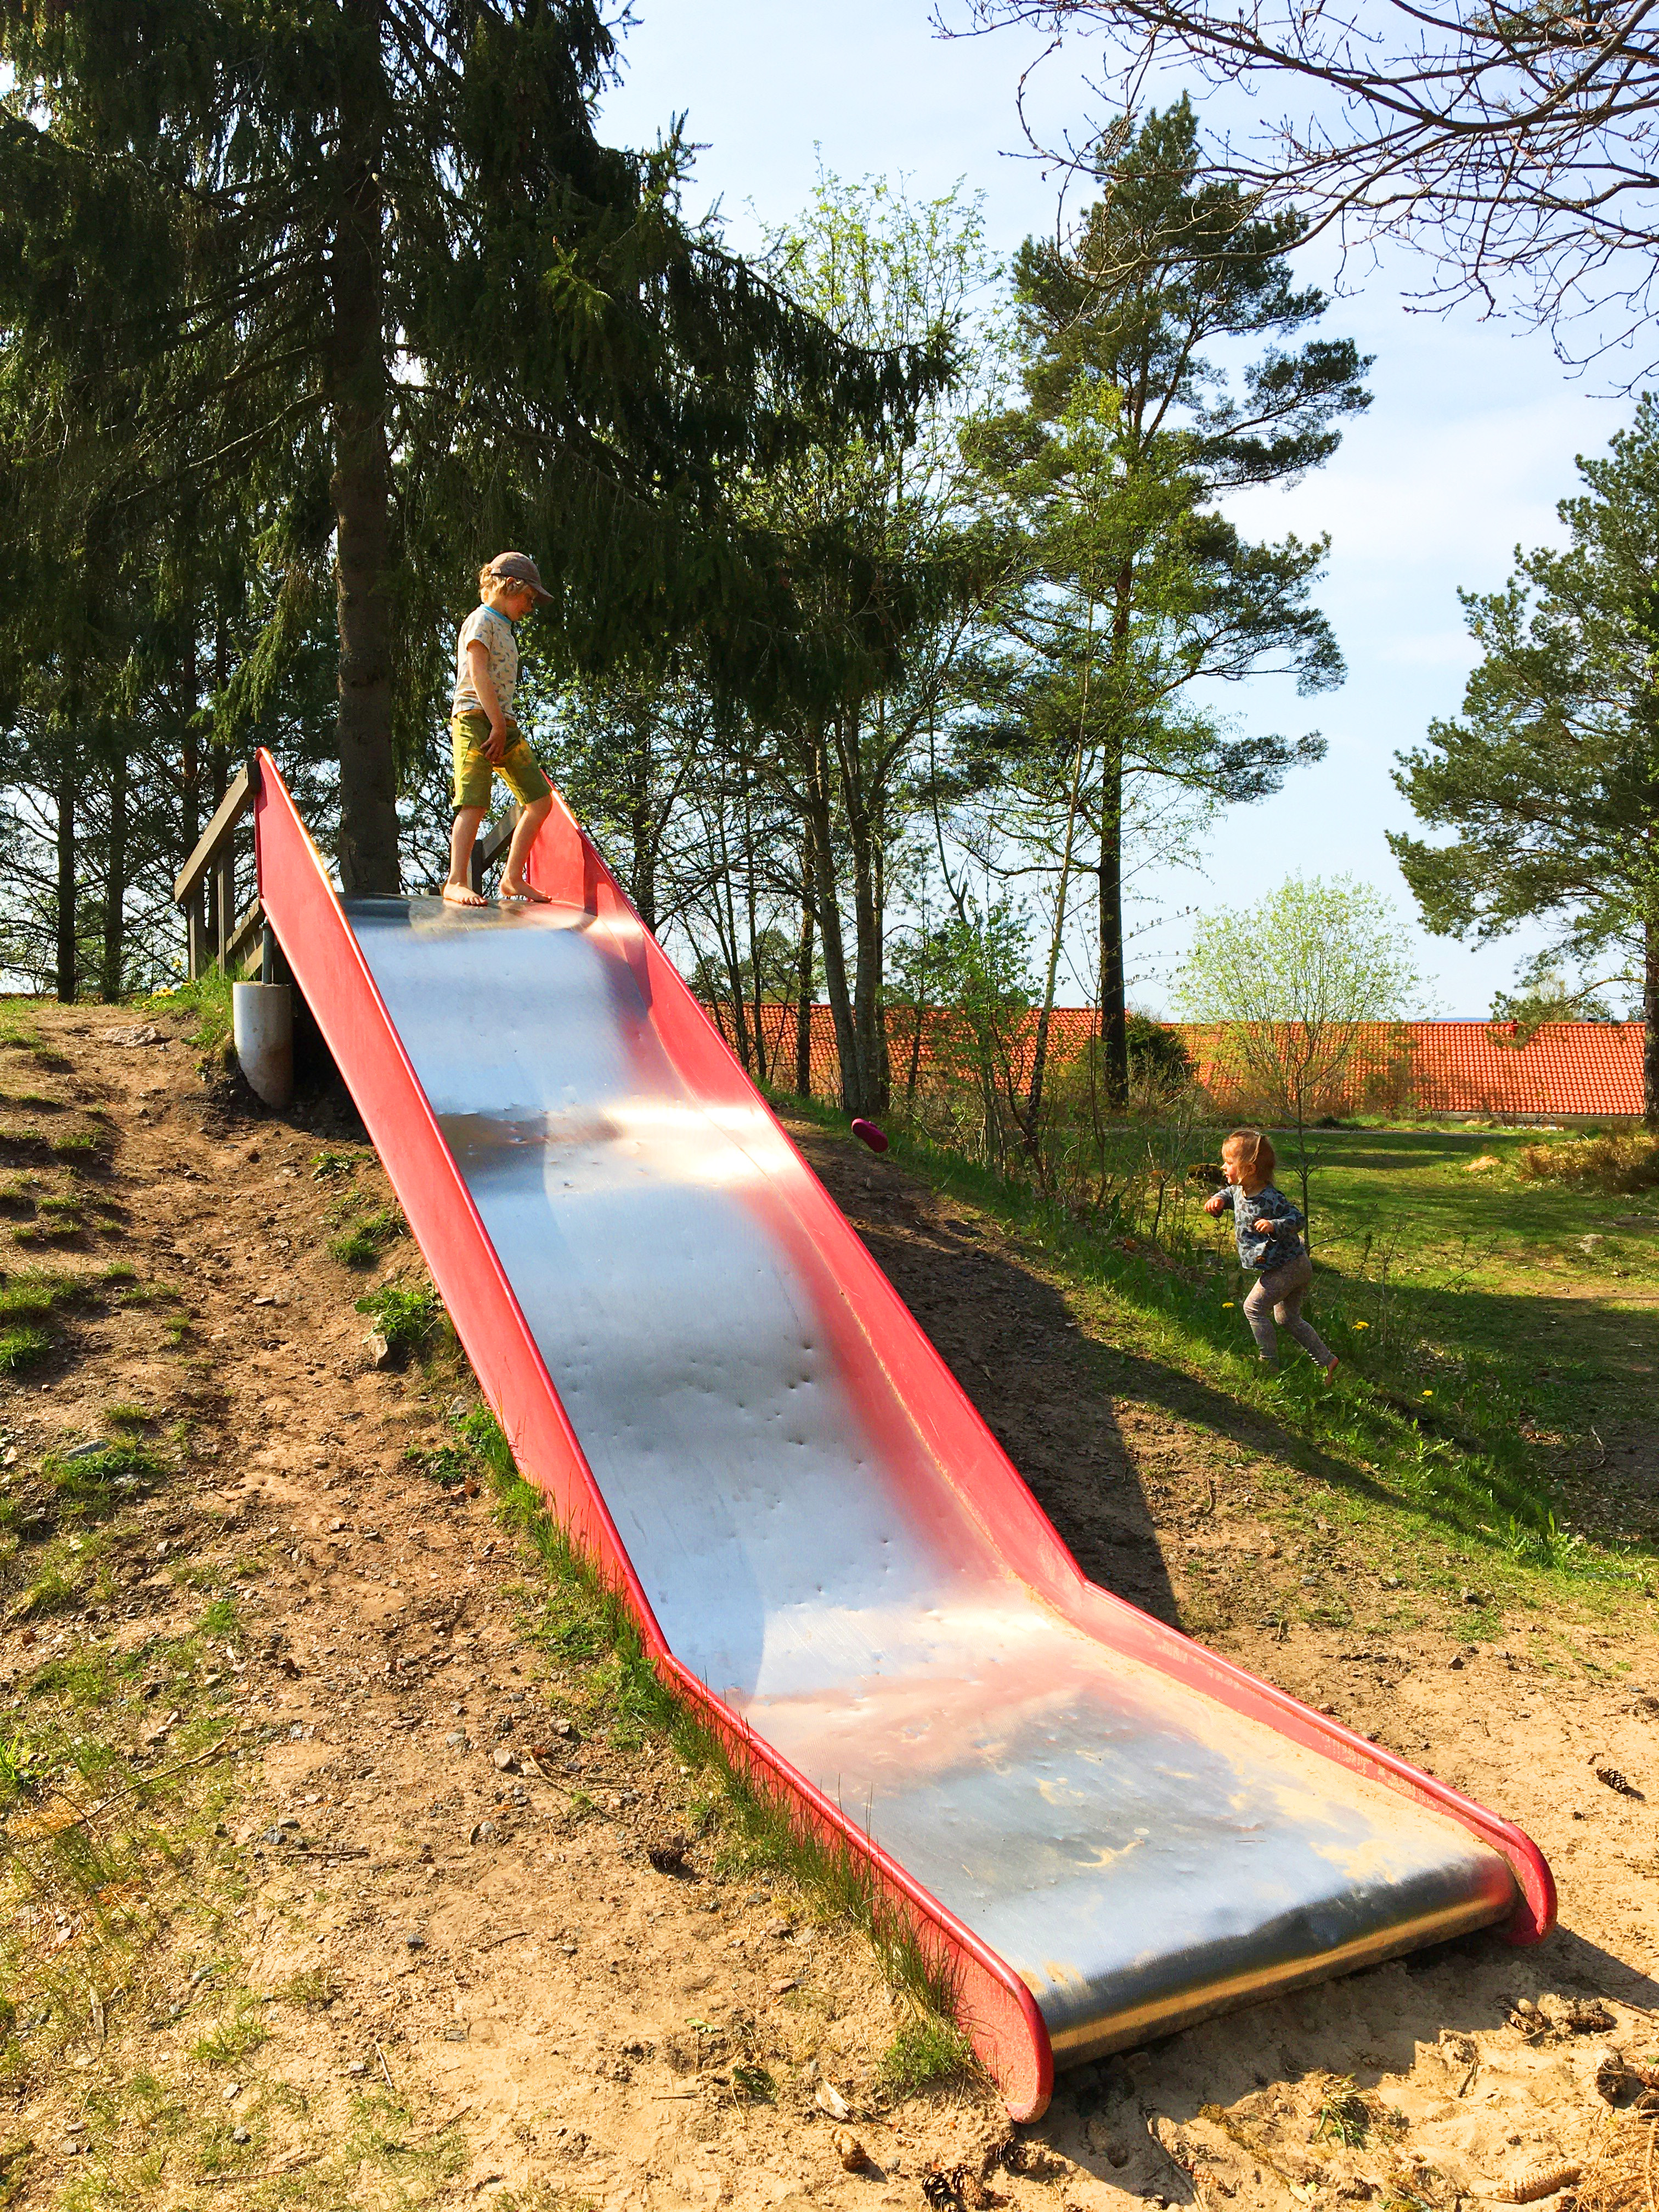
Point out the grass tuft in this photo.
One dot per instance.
(19, 1348)
(92, 1487)
(362, 1245)
(929, 2053)
(410, 1316)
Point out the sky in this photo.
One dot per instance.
(1470, 442)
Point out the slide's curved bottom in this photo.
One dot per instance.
(1110, 1831)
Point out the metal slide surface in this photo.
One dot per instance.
(824, 1534)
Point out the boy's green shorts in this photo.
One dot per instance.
(519, 769)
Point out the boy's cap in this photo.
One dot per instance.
(519, 568)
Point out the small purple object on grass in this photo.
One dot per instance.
(872, 1136)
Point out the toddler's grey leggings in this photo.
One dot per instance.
(1278, 1297)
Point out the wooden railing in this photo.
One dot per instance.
(215, 855)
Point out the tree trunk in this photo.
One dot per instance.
(725, 924)
(1113, 1016)
(804, 978)
(68, 978)
(835, 953)
(1045, 1013)
(361, 486)
(1114, 1013)
(1651, 1014)
(869, 1087)
(643, 825)
(763, 1065)
(115, 882)
(189, 756)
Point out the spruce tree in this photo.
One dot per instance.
(366, 262)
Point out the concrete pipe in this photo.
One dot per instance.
(262, 1023)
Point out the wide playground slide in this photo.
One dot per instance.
(1104, 1831)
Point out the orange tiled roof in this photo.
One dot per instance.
(1573, 1068)
(1471, 1067)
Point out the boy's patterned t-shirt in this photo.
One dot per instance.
(495, 633)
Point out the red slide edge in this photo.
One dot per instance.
(997, 2009)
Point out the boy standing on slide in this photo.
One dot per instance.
(485, 740)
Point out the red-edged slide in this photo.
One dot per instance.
(1103, 1831)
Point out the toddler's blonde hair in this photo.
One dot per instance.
(1254, 1149)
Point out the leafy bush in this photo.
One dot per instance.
(1159, 1060)
(1617, 1165)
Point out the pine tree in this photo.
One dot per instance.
(1550, 779)
(365, 264)
(1127, 437)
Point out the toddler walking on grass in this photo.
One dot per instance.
(1266, 1225)
(486, 740)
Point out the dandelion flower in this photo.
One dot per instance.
(1227, 1305)
(1362, 1324)
(1428, 1393)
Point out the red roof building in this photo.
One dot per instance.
(1578, 1071)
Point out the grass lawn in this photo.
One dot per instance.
(1436, 1238)
(1491, 1437)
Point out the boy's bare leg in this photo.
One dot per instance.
(514, 885)
(459, 890)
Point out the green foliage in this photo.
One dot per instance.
(22, 1348)
(1293, 986)
(410, 1316)
(1134, 590)
(206, 999)
(91, 1486)
(362, 1243)
(448, 1466)
(1159, 1060)
(28, 1303)
(35, 1294)
(231, 388)
(1547, 779)
(929, 2053)
(968, 985)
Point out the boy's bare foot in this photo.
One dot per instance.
(522, 895)
(1331, 1366)
(463, 895)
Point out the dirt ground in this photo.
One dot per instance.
(431, 1888)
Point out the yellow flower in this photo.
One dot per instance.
(1227, 1305)
(1428, 1393)
(1362, 1324)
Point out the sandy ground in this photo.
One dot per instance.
(478, 1922)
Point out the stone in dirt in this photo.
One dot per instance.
(131, 1035)
(668, 1854)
